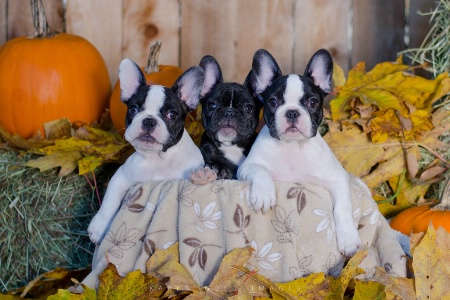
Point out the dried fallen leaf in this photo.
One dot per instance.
(67, 160)
(431, 274)
(88, 294)
(402, 287)
(314, 286)
(352, 269)
(369, 290)
(135, 284)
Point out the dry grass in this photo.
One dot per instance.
(43, 220)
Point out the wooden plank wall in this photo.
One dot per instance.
(232, 30)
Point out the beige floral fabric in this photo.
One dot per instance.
(296, 238)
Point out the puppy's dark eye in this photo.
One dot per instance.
(248, 109)
(133, 109)
(171, 114)
(313, 102)
(212, 106)
(273, 102)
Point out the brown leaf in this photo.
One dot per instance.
(202, 258)
(193, 242)
(293, 192)
(412, 162)
(133, 194)
(193, 257)
(432, 173)
(301, 202)
(136, 208)
(238, 217)
(149, 247)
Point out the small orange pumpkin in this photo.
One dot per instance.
(50, 76)
(417, 218)
(154, 74)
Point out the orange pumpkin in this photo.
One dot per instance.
(154, 74)
(50, 76)
(417, 218)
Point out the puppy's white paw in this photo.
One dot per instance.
(203, 175)
(97, 229)
(262, 195)
(348, 240)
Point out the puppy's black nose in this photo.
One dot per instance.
(148, 123)
(292, 114)
(229, 113)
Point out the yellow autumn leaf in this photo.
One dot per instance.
(135, 284)
(429, 264)
(66, 160)
(394, 286)
(357, 154)
(226, 277)
(385, 124)
(88, 294)
(338, 75)
(369, 290)
(61, 128)
(352, 269)
(16, 141)
(314, 286)
(161, 257)
(358, 85)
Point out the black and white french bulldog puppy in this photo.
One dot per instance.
(155, 128)
(230, 115)
(289, 147)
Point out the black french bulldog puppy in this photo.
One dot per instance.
(230, 115)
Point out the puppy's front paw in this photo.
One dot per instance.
(348, 240)
(262, 195)
(97, 229)
(203, 175)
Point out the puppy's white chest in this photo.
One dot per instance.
(233, 153)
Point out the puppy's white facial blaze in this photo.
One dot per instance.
(302, 127)
(151, 109)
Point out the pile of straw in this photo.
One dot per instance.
(43, 220)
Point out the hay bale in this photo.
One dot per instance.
(43, 220)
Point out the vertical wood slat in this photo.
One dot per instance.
(378, 31)
(146, 21)
(419, 25)
(20, 21)
(101, 23)
(3, 21)
(321, 24)
(233, 30)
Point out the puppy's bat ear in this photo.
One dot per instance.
(131, 78)
(264, 71)
(189, 85)
(320, 70)
(213, 74)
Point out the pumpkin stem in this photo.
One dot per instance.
(41, 28)
(152, 62)
(445, 199)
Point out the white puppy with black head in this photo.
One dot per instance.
(289, 147)
(155, 128)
